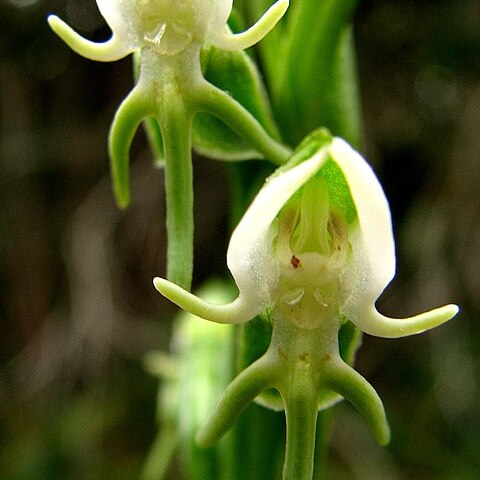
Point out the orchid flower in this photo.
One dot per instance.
(166, 26)
(314, 249)
(167, 37)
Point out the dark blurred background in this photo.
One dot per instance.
(77, 307)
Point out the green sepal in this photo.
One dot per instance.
(310, 145)
(236, 74)
(338, 190)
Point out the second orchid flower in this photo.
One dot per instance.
(168, 37)
(314, 250)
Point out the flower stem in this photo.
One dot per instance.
(176, 124)
(301, 410)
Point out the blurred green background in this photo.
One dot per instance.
(77, 307)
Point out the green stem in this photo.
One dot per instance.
(210, 99)
(176, 125)
(322, 437)
(301, 410)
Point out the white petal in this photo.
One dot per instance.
(113, 11)
(120, 16)
(222, 11)
(373, 244)
(374, 323)
(113, 49)
(240, 310)
(374, 253)
(249, 255)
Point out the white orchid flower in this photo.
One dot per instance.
(167, 26)
(167, 37)
(295, 241)
(314, 250)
